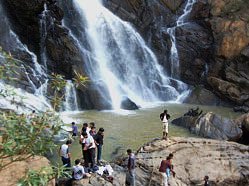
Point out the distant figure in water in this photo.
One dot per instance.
(164, 117)
(206, 181)
(74, 129)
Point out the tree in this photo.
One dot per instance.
(24, 136)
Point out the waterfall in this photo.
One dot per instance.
(46, 22)
(38, 72)
(70, 103)
(121, 59)
(174, 58)
(16, 98)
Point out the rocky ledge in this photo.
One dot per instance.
(11, 174)
(226, 163)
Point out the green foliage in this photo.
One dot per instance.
(23, 138)
(80, 80)
(58, 84)
(42, 176)
(8, 69)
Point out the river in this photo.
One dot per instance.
(131, 129)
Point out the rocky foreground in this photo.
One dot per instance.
(226, 163)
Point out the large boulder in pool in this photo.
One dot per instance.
(212, 126)
(127, 104)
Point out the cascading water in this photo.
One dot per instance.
(174, 58)
(38, 73)
(46, 22)
(122, 61)
(71, 103)
(16, 98)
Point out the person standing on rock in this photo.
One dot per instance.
(169, 167)
(89, 147)
(65, 153)
(99, 143)
(130, 177)
(162, 169)
(164, 117)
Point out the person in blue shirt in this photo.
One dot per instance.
(74, 129)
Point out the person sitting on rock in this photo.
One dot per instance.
(78, 170)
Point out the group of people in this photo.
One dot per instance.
(90, 140)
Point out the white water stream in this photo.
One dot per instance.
(123, 62)
(174, 58)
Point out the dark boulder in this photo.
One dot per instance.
(94, 97)
(127, 104)
(194, 44)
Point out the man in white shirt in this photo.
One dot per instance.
(65, 153)
(90, 148)
(78, 170)
(164, 118)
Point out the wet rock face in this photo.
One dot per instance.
(213, 42)
(202, 96)
(229, 26)
(50, 37)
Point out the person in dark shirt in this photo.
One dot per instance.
(99, 140)
(164, 117)
(92, 132)
(130, 177)
(206, 182)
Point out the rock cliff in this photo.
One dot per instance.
(212, 44)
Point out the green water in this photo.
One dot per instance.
(134, 128)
